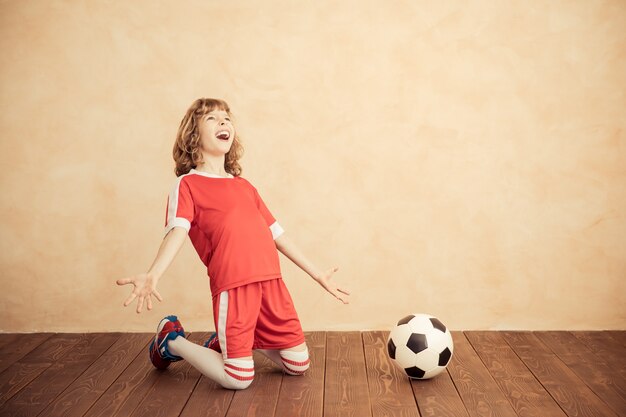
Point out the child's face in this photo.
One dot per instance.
(216, 132)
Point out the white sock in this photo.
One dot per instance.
(235, 373)
(295, 362)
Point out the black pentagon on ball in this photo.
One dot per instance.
(444, 357)
(438, 325)
(406, 320)
(417, 342)
(415, 372)
(391, 348)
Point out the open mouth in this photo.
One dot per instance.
(223, 135)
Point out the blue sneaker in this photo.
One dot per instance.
(169, 328)
(213, 343)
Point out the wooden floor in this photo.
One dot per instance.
(544, 374)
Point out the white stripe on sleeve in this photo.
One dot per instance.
(277, 230)
(172, 220)
(178, 222)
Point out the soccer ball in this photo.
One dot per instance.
(420, 345)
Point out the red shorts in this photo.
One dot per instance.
(259, 315)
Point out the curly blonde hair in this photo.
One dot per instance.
(187, 153)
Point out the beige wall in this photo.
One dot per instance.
(465, 159)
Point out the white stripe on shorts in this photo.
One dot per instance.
(221, 322)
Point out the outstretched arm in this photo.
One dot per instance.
(144, 285)
(291, 251)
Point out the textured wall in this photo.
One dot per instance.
(464, 159)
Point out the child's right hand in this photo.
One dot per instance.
(145, 287)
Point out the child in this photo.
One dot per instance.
(236, 237)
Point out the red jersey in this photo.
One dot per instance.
(229, 225)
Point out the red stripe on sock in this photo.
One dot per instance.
(239, 377)
(294, 363)
(295, 372)
(236, 368)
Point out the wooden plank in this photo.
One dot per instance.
(174, 386)
(260, 398)
(85, 391)
(525, 393)
(64, 374)
(619, 335)
(15, 346)
(8, 338)
(40, 392)
(208, 398)
(574, 397)
(346, 390)
(303, 396)
(130, 388)
(606, 347)
(389, 388)
(479, 392)
(605, 382)
(438, 396)
(19, 374)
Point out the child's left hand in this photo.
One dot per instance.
(326, 281)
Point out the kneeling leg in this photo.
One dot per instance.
(293, 361)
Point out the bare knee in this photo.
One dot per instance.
(295, 360)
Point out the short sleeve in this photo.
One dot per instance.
(275, 228)
(180, 207)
